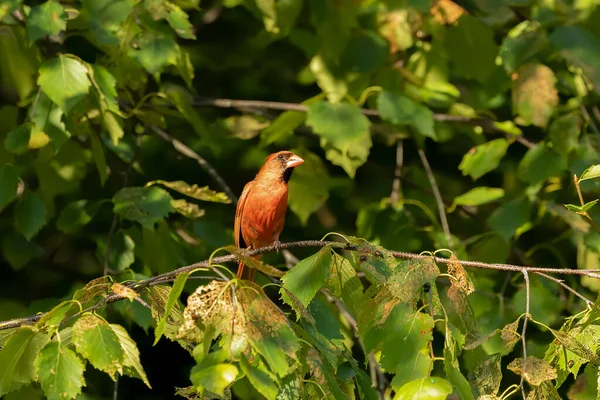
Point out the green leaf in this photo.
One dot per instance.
(260, 378)
(99, 159)
(30, 214)
(155, 53)
(432, 388)
(60, 371)
(365, 52)
(580, 48)
(488, 375)
(309, 188)
(173, 299)
(18, 251)
(121, 252)
(540, 163)
(46, 19)
(534, 95)
(282, 127)
(179, 21)
(17, 356)
(96, 341)
(194, 191)
(344, 284)
(54, 317)
(9, 180)
(592, 172)
(329, 78)
(477, 196)
(581, 209)
(158, 297)
(76, 215)
(471, 43)
(146, 205)
(564, 132)
(268, 330)
(215, 378)
(344, 133)
(511, 218)
(64, 80)
(131, 361)
(522, 43)
(308, 276)
(113, 127)
(483, 158)
(17, 140)
(105, 18)
(187, 209)
(401, 110)
(47, 120)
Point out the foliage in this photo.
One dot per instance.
(125, 127)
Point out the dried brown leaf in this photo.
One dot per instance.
(534, 94)
(124, 291)
(409, 277)
(509, 335)
(462, 281)
(446, 11)
(534, 370)
(488, 375)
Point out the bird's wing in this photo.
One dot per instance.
(237, 227)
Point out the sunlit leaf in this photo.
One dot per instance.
(534, 95)
(533, 369)
(308, 276)
(60, 371)
(96, 341)
(592, 172)
(155, 53)
(48, 18)
(344, 133)
(131, 355)
(521, 44)
(401, 110)
(477, 196)
(215, 378)
(194, 191)
(483, 158)
(65, 80)
(17, 356)
(172, 301)
(433, 388)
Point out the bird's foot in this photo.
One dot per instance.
(277, 245)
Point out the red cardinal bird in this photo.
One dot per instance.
(260, 212)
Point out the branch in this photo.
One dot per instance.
(169, 276)
(186, 151)
(486, 124)
(524, 331)
(438, 198)
(395, 196)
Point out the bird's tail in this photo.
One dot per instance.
(246, 273)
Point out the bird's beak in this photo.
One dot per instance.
(293, 161)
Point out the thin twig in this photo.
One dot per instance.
(169, 276)
(395, 196)
(584, 214)
(116, 389)
(186, 151)
(438, 198)
(524, 330)
(587, 301)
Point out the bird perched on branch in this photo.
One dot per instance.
(260, 212)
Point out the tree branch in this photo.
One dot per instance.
(186, 151)
(438, 198)
(486, 124)
(169, 276)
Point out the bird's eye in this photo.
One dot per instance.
(280, 157)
